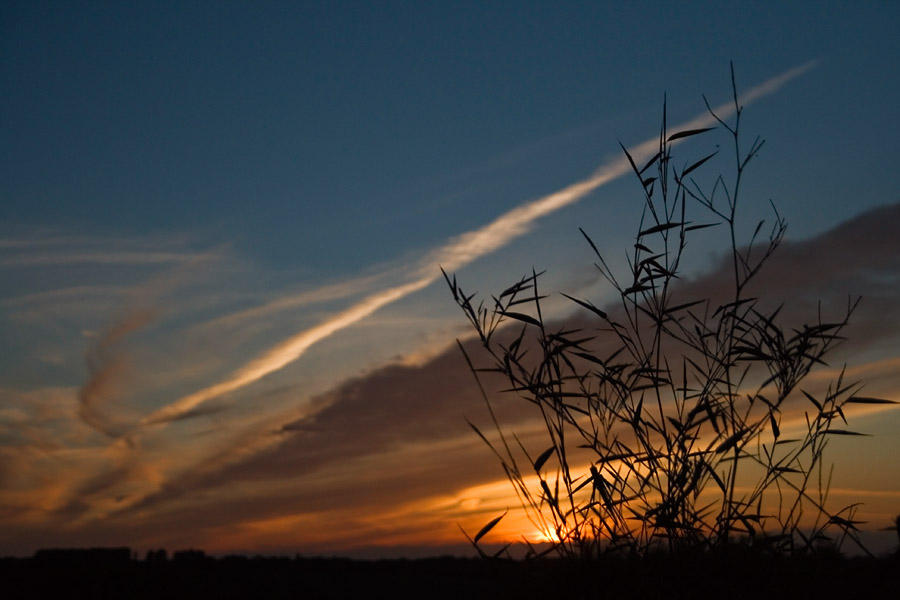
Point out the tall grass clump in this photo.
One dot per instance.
(663, 414)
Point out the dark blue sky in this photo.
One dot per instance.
(330, 132)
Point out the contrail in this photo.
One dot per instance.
(455, 254)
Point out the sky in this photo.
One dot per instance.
(222, 225)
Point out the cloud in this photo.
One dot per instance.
(454, 255)
(399, 433)
(106, 368)
(42, 238)
(107, 361)
(43, 248)
(42, 419)
(99, 258)
(62, 295)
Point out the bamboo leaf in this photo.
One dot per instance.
(790, 441)
(587, 305)
(697, 164)
(484, 530)
(716, 477)
(528, 300)
(540, 460)
(701, 226)
(687, 133)
(865, 400)
(650, 162)
(478, 431)
(813, 400)
(682, 306)
(786, 470)
(660, 227)
(775, 431)
(637, 288)
(730, 443)
(590, 357)
(630, 160)
(521, 317)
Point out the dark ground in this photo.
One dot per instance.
(721, 577)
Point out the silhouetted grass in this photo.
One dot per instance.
(663, 417)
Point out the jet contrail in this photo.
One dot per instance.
(454, 255)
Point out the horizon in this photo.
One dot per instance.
(222, 234)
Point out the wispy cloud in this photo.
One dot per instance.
(107, 361)
(45, 249)
(106, 368)
(62, 295)
(47, 238)
(454, 255)
(96, 258)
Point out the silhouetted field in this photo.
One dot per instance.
(728, 576)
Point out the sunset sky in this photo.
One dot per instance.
(222, 316)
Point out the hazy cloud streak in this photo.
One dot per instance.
(454, 255)
(98, 258)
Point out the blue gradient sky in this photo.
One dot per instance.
(183, 188)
